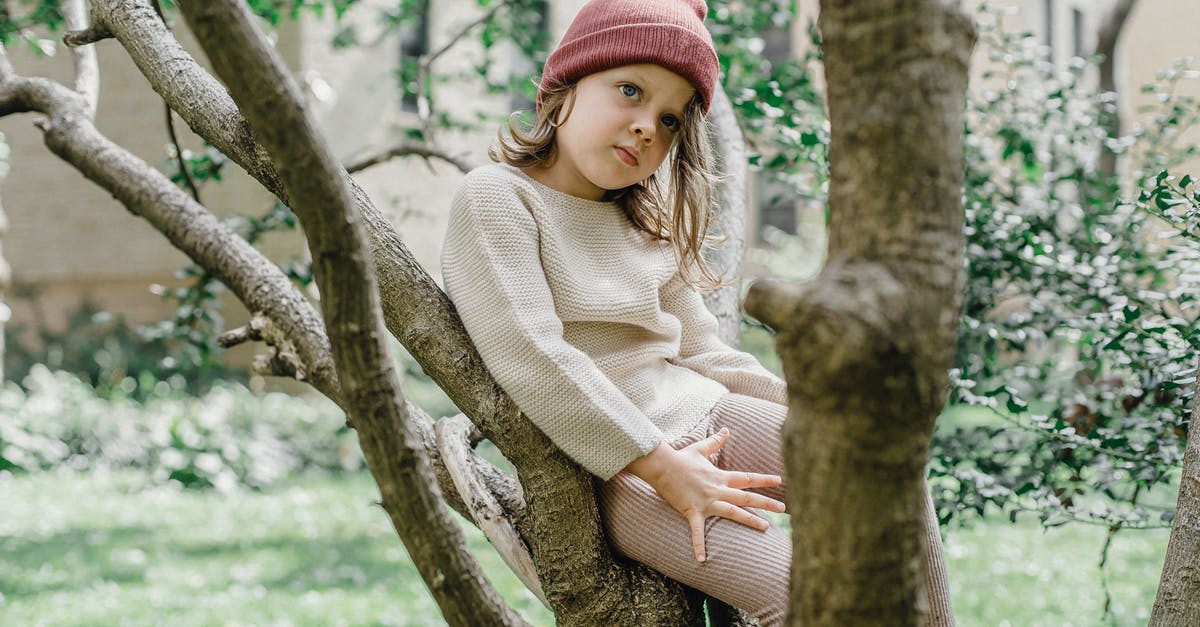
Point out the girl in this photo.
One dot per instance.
(574, 265)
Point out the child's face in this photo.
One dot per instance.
(619, 129)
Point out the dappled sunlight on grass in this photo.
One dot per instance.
(111, 548)
(1020, 575)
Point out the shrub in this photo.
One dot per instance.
(229, 436)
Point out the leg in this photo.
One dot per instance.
(937, 586)
(754, 437)
(758, 449)
(746, 568)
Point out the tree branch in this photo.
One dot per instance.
(407, 150)
(275, 108)
(867, 344)
(257, 282)
(86, 36)
(729, 196)
(564, 534)
(426, 62)
(452, 442)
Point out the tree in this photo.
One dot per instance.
(884, 309)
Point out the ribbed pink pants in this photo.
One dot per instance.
(746, 568)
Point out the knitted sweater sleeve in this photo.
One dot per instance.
(494, 275)
(701, 349)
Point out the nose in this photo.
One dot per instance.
(643, 131)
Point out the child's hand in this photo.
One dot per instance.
(697, 489)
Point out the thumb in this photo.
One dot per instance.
(714, 442)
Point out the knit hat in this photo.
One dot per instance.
(611, 33)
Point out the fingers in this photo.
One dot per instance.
(750, 499)
(696, 522)
(738, 515)
(720, 509)
(744, 480)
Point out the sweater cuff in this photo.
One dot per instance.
(607, 463)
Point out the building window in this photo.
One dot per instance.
(1049, 22)
(1077, 32)
(414, 42)
(776, 201)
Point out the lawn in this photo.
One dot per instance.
(111, 549)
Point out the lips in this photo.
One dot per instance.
(629, 157)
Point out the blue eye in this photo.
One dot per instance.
(671, 122)
(630, 91)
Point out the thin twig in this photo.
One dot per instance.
(1108, 615)
(426, 62)
(1066, 439)
(87, 68)
(407, 150)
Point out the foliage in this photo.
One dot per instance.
(1077, 326)
(226, 437)
(779, 103)
(106, 352)
(1077, 332)
(24, 24)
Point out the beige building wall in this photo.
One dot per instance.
(68, 239)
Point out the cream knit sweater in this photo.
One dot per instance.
(585, 321)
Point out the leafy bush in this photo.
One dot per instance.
(228, 436)
(104, 350)
(1077, 340)
(1077, 325)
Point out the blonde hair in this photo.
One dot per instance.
(683, 222)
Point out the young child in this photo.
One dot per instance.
(574, 265)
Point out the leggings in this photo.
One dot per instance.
(746, 568)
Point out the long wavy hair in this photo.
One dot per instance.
(677, 211)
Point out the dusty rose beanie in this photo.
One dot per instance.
(611, 33)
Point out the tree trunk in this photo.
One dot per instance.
(730, 195)
(1178, 601)
(867, 344)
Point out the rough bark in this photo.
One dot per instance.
(1177, 603)
(370, 388)
(1106, 45)
(867, 344)
(582, 579)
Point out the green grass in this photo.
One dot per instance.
(109, 549)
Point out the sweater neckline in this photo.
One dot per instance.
(559, 196)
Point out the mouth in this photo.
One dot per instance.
(629, 157)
